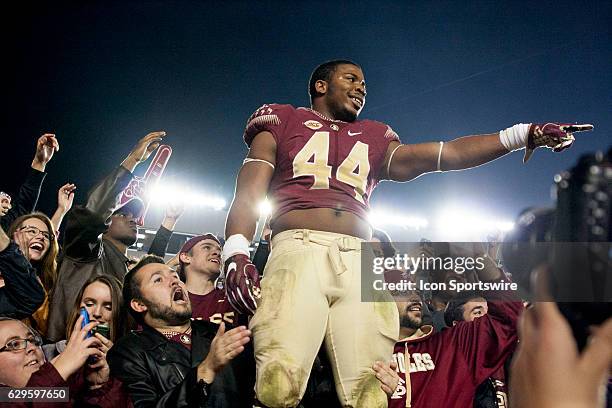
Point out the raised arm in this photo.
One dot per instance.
(486, 342)
(46, 146)
(84, 224)
(406, 162)
(164, 233)
(27, 198)
(65, 197)
(102, 199)
(241, 276)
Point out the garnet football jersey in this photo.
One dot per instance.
(320, 162)
(212, 307)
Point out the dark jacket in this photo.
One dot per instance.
(26, 199)
(85, 253)
(22, 293)
(160, 373)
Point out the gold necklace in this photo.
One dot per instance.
(184, 336)
(322, 116)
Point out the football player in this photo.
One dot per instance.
(318, 166)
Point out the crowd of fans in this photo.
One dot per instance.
(79, 313)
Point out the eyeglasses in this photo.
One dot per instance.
(22, 344)
(34, 231)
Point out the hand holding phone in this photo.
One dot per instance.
(85, 322)
(103, 329)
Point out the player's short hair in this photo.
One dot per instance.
(131, 285)
(454, 308)
(324, 72)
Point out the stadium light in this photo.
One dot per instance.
(163, 194)
(380, 218)
(456, 222)
(505, 226)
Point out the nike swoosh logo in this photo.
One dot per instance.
(231, 268)
(353, 134)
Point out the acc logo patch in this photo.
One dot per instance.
(313, 124)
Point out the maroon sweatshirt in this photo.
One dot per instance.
(447, 367)
(111, 395)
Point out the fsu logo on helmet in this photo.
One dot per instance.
(313, 124)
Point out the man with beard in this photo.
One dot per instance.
(174, 361)
(97, 235)
(411, 318)
(445, 368)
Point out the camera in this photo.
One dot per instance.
(573, 239)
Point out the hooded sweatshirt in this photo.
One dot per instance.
(444, 369)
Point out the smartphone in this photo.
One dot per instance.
(85, 322)
(103, 329)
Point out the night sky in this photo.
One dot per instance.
(101, 75)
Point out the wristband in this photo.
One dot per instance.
(236, 244)
(515, 137)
